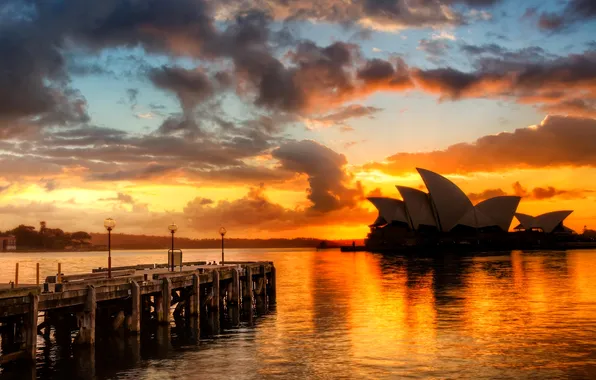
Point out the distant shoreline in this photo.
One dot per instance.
(151, 248)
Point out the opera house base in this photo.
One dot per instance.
(439, 243)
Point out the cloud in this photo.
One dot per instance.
(435, 49)
(485, 194)
(146, 116)
(387, 15)
(255, 212)
(537, 193)
(190, 86)
(557, 141)
(343, 114)
(527, 77)
(33, 89)
(574, 12)
(49, 185)
(133, 94)
(120, 198)
(378, 74)
(329, 183)
(548, 192)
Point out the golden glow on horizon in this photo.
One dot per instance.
(575, 189)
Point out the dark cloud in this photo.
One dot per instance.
(190, 86)
(527, 76)
(49, 185)
(376, 14)
(557, 141)
(378, 74)
(435, 49)
(185, 126)
(349, 112)
(574, 12)
(329, 183)
(151, 171)
(133, 94)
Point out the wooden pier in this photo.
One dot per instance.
(135, 298)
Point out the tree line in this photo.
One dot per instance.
(29, 238)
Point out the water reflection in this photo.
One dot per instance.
(360, 315)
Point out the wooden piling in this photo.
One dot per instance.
(261, 289)
(215, 291)
(163, 311)
(37, 274)
(31, 327)
(247, 291)
(16, 275)
(86, 319)
(235, 294)
(135, 321)
(195, 295)
(59, 275)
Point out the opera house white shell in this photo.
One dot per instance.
(446, 206)
(546, 222)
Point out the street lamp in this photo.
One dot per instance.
(173, 228)
(222, 232)
(109, 224)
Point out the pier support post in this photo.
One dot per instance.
(235, 293)
(247, 291)
(273, 286)
(31, 327)
(195, 294)
(215, 291)
(163, 307)
(135, 317)
(261, 293)
(86, 319)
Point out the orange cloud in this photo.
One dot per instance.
(557, 141)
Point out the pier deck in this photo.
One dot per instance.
(134, 297)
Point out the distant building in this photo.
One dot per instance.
(445, 212)
(8, 243)
(444, 208)
(551, 222)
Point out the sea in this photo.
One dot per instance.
(358, 315)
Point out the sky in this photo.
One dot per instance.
(277, 118)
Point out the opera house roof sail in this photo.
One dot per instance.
(446, 207)
(547, 222)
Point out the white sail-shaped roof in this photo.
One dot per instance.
(550, 220)
(526, 221)
(450, 202)
(547, 222)
(390, 209)
(499, 210)
(418, 206)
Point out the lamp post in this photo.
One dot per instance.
(109, 224)
(173, 228)
(222, 232)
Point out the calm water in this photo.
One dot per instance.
(361, 315)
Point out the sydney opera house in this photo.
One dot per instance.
(445, 216)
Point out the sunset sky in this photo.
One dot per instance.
(276, 118)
